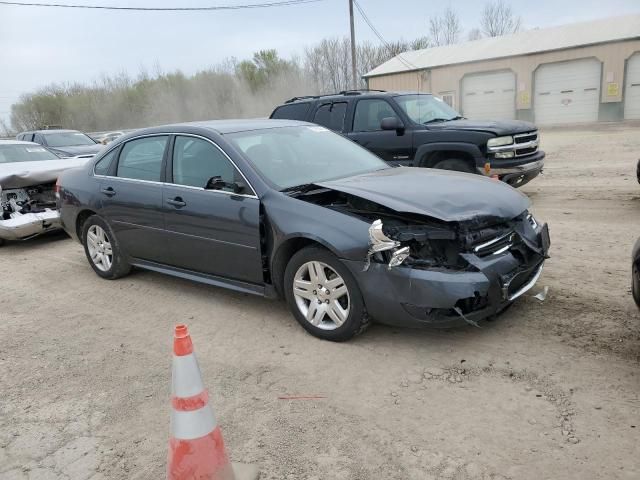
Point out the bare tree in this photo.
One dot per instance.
(445, 29)
(498, 19)
(5, 131)
(474, 34)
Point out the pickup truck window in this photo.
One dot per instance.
(293, 111)
(331, 115)
(426, 108)
(369, 114)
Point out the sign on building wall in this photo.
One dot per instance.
(613, 89)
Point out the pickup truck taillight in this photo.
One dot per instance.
(57, 188)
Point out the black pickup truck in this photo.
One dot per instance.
(421, 130)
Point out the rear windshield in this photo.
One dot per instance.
(294, 111)
(68, 139)
(25, 153)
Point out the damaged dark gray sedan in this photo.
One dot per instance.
(290, 209)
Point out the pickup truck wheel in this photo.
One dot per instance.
(102, 249)
(454, 164)
(323, 295)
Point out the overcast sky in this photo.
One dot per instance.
(39, 46)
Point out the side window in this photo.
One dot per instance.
(104, 164)
(196, 161)
(369, 114)
(331, 115)
(141, 159)
(293, 111)
(38, 139)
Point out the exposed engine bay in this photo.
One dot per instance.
(18, 201)
(423, 242)
(27, 212)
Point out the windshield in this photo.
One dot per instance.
(426, 108)
(293, 156)
(68, 139)
(25, 153)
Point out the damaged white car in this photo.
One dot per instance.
(28, 174)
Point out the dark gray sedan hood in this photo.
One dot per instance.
(444, 195)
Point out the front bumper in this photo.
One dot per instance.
(516, 172)
(413, 297)
(29, 225)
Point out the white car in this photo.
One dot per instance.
(28, 174)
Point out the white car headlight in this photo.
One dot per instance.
(500, 141)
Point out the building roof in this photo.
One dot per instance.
(531, 41)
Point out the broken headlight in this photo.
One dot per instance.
(416, 245)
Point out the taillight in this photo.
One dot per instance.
(57, 188)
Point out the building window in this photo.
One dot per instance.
(449, 98)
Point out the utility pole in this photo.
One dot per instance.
(354, 75)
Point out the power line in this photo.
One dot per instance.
(405, 62)
(282, 3)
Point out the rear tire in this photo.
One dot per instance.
(454, 164)
(323, 295)
(103, 250)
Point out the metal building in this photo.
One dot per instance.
(582, 72)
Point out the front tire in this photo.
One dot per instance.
(323, 295)
(102, 249)
(454, 164)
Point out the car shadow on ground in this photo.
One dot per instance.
(33, 244)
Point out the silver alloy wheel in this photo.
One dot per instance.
(321, 295)
(99, 248)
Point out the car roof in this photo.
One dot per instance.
(18, 142)
(224, 126)
(352, 94)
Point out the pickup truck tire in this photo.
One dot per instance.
(455, 164)
(105, 244)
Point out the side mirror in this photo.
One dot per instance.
(392, 123)
(216, 183)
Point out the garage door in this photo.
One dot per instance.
(489, 95)
(567, 92)
(632, 89)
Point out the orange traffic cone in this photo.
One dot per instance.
(196, 448)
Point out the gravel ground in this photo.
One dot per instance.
(547, 391)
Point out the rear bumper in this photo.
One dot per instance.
(28, 225)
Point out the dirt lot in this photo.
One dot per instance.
(547, 391)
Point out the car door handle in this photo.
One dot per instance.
(109, 192)
(177, 202)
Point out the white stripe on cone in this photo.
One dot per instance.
(185, 375)
(193, 424)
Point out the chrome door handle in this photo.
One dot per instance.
(177, 202)
(109, 192)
